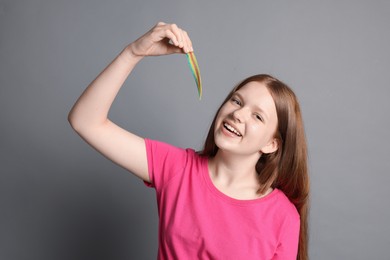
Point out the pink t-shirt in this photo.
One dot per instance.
(197, 221)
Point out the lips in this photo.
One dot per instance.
(231, 129)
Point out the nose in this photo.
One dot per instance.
(240, 115)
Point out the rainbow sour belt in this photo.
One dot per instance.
(193, 63)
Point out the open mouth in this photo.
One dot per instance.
(231, 129)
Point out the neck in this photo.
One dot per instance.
(235, 175)
(232, 169)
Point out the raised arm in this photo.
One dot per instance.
(89, 115)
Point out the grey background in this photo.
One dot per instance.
(59, 199)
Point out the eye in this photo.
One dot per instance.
(258, 117)
(236, 101)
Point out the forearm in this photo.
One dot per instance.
(92, 108)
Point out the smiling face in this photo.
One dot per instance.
(247, 122)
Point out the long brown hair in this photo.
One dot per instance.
(286, 168)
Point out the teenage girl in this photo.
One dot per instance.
(244, 196)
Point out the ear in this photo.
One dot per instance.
(271, 147)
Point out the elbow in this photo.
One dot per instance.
(73, 121)
(76, 125)
(83, 124)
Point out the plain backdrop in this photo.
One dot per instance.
(60, 199)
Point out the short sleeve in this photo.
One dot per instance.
(288, 244)
(164, 162)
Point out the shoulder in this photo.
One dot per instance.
(166, 161)
(162, 153)
(285, 206)
(163, 148)
(288, 228)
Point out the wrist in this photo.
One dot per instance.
(129, 53)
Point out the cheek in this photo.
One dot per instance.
(260, 131)
(223, 113)
(224, 110)
(218, 121)
(254, 128)
(218, 118)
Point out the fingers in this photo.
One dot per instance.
(177, 36)
(188, 42)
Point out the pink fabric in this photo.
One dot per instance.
(197, 221)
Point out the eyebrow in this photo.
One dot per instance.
(265, 115)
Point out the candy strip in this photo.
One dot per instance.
(193, 63)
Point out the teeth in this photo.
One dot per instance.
(231, 129)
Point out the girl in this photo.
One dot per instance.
(244, 196)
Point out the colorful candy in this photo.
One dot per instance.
(193, 63)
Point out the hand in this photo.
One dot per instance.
(162, 39)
